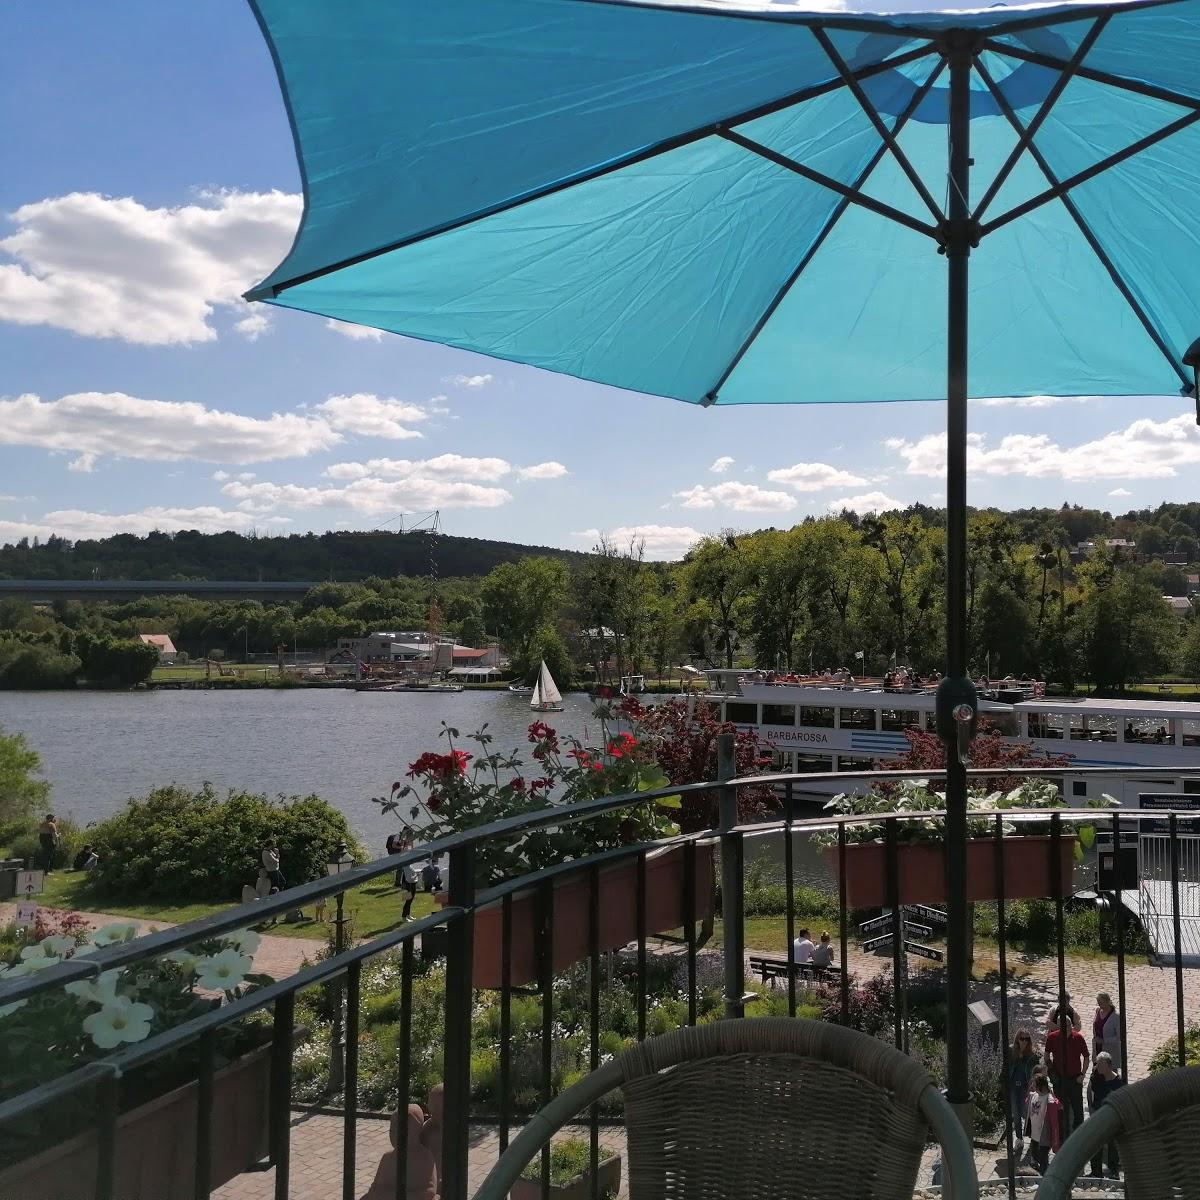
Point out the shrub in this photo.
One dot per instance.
(1166, 1057)
(35, 667)
(21, 789)
(116, 662)
(19, 839)
(176, 844)
(870, 1008)
(570, 1157)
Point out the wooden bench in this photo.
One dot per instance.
(773, 969)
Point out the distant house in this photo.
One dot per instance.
(1181, 606)
(162, 643)
(1193, 583)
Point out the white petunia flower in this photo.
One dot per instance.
(222, 972)
(244, 940)
(36, 962)
(58, 945)
(118, 931)
(100, 990)
(185, 958)
(120, 1020)
(37, 950)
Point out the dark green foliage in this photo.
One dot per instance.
(116, 662)
(1166, 1057)
(19, 839)
(21, 788)
(176, 844)
(26, 666)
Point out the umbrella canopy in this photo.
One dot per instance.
(745, 203)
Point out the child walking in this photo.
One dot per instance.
(1045, 1122)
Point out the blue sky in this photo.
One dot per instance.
(149, 179)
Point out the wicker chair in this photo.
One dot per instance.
(1156, 1125)
(766, 1109)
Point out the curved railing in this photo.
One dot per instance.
(532, 898)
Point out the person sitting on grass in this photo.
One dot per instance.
(86, 860)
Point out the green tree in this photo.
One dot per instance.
(783, 569)
(719, 572)
(1125, 630)
(116, 662)
(21, 791)
(521, 599)
(549, 646)
(471, 631)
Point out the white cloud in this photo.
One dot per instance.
(741, 497)
(95, 423)
(85, 463)
(112, 268)
(253, 326)
(1146, 449)
(546, 470)
(77, 523)
(356, 333)
(373, 496)
(867, 502)
(1120, 492)
(469, 381)
(1030, 401)
(662, 541)
(372, 416)
(812, 477)
(721, 465)
(444, 466)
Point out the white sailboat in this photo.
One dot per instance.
(546, 696)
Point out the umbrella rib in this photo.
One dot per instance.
(1026, 136)
(1085, 229)
(1153, 91)
(853, 194)
(1074, 181)
(834, 217)
(675, 142)
(889, 138)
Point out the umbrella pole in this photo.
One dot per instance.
(956, 700)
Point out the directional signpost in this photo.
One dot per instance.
(885, 923)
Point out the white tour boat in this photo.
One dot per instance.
(816, 725)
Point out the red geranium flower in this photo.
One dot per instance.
(622, 744)
(440, 766)
(604, 692)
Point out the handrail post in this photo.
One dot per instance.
(460, 954)
(732, 890)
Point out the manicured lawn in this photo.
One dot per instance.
(191, 674)
(373, 908)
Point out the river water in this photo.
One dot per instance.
(100, 748)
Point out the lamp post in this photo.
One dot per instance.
(338, 862)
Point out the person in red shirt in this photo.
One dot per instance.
(1068, 1060)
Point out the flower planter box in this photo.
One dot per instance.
(580, 1188)
(921, 871)
(618, 914)
(155, 1154)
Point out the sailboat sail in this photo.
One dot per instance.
(535, 701)
(549, 689)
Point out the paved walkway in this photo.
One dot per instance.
(277, 956)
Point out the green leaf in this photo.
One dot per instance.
(669, 802)
(1087, 836)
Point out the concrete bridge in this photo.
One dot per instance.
(45, 591)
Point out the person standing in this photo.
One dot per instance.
(803, 948)
(1045, 1122)
(1023, 1060)
(1103, 1083)
(1067, 1057)
(1106, 1030)
(1072, 1014)
(398, 843)
(47, 842)
(270, 864)
(408, 878)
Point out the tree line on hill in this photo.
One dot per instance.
(820, 594)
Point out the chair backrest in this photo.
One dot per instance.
(772, 1107)
(1156, 1125)
(1159, 1136)
(769, 1107)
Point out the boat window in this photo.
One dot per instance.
(1191, 787)
(900, 719)
(847, 762)
(812, 764)
(1079, 787)
(1093, 727)
(857, 718)
(1002, 723)
(1045, 725)
(1152, 731)
(1191, 732)
(779, 714)
(821, 717)
(742, 714)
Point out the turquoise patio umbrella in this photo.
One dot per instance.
(746, 202)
